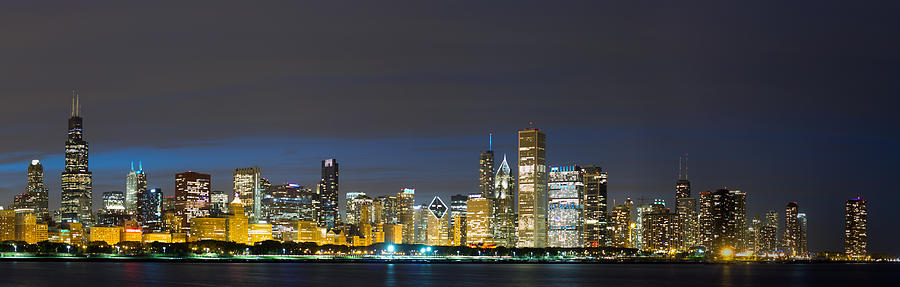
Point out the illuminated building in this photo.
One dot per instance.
(171, 222)
(594, 207)
(218, 202)
(76, 232)
(328, 211)
(766, 234)
(76, 178)
(505, 219)
(405, 214)
(420, 218)
(7, 225)
(168, 203)
(41, 233)
(460, 229)
(308, 231)
(260, 232)
(566, 187)
(209, 228)
(532, 228)
(238, 224)
(114, 202)
(486, 171)
(686, 209)
(855, 220)
(157, 237)
(659, 229)
(191, 197)
(385, 209)
(792, 232)
(288, 201)
(135, 183)
(723, 220)
(458, 209)
(248, 186)
(478, 220)
(359, 208)
(393, 233)
(35, 195)
(26, 225)
(639, 223)
(149, 211)
(438, 223)
(801, 219)
(132, 232)
(109, 234)
(620, 225)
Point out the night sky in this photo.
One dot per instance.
(786, 101)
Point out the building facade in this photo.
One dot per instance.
(77, 177)
(564, 210)
(328, 211)
(248, 185)
(595, 224)
(135, 183)
(191, 197)
(855, 229)
(532, 198)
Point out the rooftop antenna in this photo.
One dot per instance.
(132, 165)
(141, 165)
(491, 140)
(685, 166)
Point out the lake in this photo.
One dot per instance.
(30, 273)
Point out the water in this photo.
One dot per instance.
(346, 275)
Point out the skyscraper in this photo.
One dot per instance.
(478, 220)
(35, 196)
(566, 187)
(659, 229)
(766, 240)
(685, 209)
(76, 178)
(328, 194)
(723, 220)
(595, 221)
(855, 220)
(621, 236)
(114, 202)
(356, 201)
(504, 224)
(247, 184)
(218, 203)
(438, 223)
(532, 200)
(801, 220)
(486, 172)
(135, 182)
(406, 215)
(191, 197)
(791, 230)
(149, 209)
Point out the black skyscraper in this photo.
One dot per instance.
(327, 212)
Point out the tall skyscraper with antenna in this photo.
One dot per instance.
(486, 171)
(686, 208)
(76, 178)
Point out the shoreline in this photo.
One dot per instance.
(404, 261)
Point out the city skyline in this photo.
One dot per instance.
(780, 129)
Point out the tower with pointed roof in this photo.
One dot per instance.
(504, 222)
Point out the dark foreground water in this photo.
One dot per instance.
(132, 274)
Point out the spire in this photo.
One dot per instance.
(491, 140)
(504, 167)
(141, 165)
(76, 104)
(132, 165)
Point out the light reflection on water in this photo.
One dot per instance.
(336, 275)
